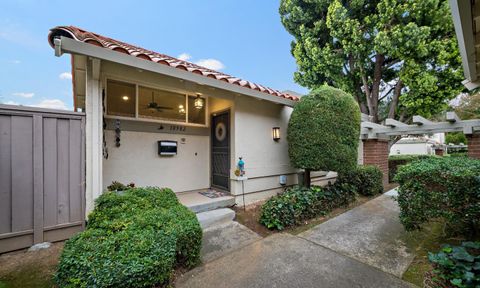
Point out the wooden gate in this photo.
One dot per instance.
(42, 175)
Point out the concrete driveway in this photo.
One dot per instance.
(359, 248)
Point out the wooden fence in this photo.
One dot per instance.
(42, 175)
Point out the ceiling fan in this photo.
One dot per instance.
(155, 107)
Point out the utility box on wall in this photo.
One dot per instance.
(167, 148)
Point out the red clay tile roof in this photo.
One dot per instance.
(121, 47)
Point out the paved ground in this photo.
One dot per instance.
(223, 239)
(283, 260)
(370, 233)
(355, 249)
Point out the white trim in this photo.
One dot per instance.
(462, 20)
(68, 45)
(93, 135)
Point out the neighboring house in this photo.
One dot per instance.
(415, 145)
(143, 97)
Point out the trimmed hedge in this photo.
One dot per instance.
(445, 187)
(366, 179)
(134, 238)
(395, 161)
(299, 203)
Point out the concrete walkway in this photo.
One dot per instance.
(370, 233)
(347, 251)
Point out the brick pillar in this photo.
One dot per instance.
(375, 152)
(474, 146)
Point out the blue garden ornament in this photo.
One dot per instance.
(241, 166)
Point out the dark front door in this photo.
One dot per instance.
(221, 150)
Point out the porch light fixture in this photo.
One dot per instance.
(276, 133)
(125, 98)
(199, 102)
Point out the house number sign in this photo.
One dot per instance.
(177, 128)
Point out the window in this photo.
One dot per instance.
(196, 113)
(140, 102)
(120, 99)
(159, 104)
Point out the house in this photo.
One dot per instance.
(418, 145)
(155, 120)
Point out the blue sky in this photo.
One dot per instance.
(244, 38)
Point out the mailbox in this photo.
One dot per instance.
(167, 148)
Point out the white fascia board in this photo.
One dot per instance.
(462, 20)
(68, 45)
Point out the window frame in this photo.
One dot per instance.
(157, 87)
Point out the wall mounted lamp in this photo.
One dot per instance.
(276, 133)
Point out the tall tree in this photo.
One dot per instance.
(396, 57)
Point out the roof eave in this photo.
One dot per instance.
(67, 45)
(462, 20)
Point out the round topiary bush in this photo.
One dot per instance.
(323, 132)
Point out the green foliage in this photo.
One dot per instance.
(468, 107)
(455, 138)
(447, 187)
(323, 131)
(458, 265)
(299, 203)
(359, 46)
(134, 238)
(395, 161)
(366, 179)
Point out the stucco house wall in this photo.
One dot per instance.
(252, 120)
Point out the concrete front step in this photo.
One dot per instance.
(199, 203)
(215, 217)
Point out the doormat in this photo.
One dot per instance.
(212, 193)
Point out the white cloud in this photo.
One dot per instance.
(11, 103)
(51, 103)
(65, 76)
(213, 64)
(24, 94)
(184, 56)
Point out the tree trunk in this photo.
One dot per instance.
(375, 91)
(307, 178)
(396, 96)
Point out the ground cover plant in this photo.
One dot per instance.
(134, 238)
(298, 204)
(447, 187)
(457, 266)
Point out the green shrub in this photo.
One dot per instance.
(456, 138)
(128, 258)
(446, 188)
(299, 203)
(458, 265)
(134, 238)
(323, 131)
(366, 179)
(395, 161)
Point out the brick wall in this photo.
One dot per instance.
(375, 152)
(474, 146)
